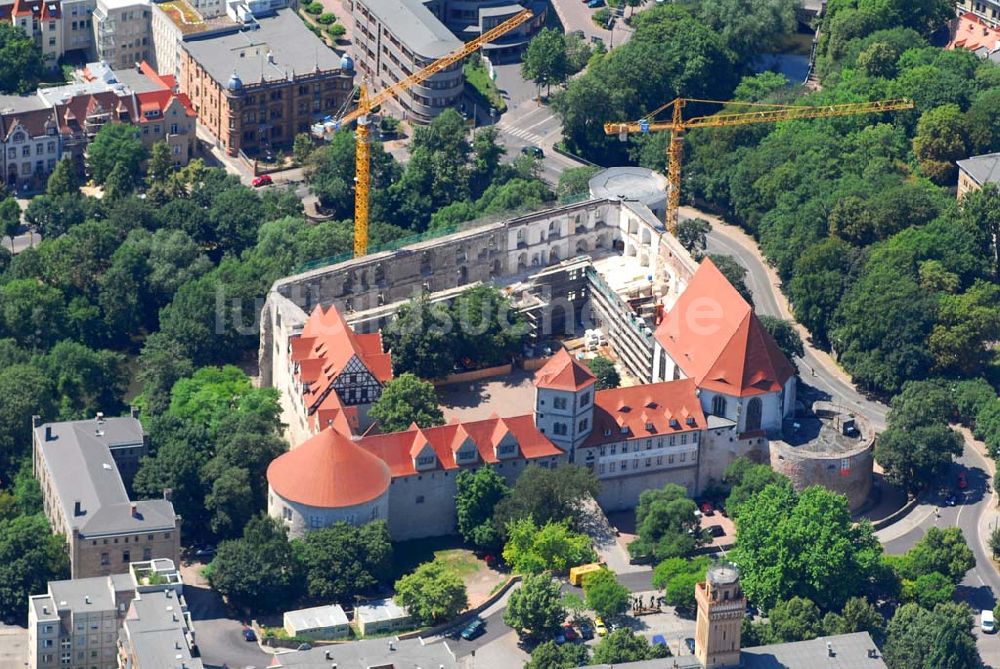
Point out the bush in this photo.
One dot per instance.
(313, 8)
(336, 30)
(601, 17)
(326, 18)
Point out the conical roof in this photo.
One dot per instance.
(329, 471)
(564, 372)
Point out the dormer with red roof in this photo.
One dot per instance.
(564, 399)
(712, 336)
(336, 368)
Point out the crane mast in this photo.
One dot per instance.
(362, 114)
(766, 114)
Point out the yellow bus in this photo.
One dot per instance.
(576, 574)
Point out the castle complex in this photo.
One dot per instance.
(712, 383)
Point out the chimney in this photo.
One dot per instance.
(135, 511)
(829, 649)
(100, 418)
(326, 655)
(134, 411)
(77, 509)
(48, 434)
(36, 421)
(86, 599)
(168, 494)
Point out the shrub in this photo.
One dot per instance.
(313, 8)
(326, 18)
(336, 30)
(601, 17)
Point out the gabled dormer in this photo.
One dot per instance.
(424, 457)
(464, 448)
(505, 445)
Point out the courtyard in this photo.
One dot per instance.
(509, 395)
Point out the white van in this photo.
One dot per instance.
(988, 625)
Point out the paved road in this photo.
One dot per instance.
(219, 637)
(531, 124)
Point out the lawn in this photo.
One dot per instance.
(479, 78)
(480, 580)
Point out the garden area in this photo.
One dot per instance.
(479, 578)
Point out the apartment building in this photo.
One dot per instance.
(157, 632)
(122, 32)
(85, 499)
(75, 624)
(42, 21)
(78, 28)
(29, 142)
(394, 39)
(255, 89)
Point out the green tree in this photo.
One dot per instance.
(531, 549)
(666, 525)
(917, 638)
(803, 545)
(785, 334)
(63, 180)
(30, 556)
(32, 313)
(302, 148)
(534, 610)
(213, 395)
(433, 593)
(575, 181)
(490, 328)
(605, 595)
(548, 655)
(545, 61)
(260, 570)
(342, 561)
(922, 403)
(548, 495)
(819, 280)
(21, 64)
(746, 479)
(230, 502)
(735, 273)
(422, 339)
(115, 144)
(796, 619)
(677, 577)
(917, 457)
(405, 400)
(161, 164)
(858, 615)
(477, 492)
(604, 369)
(623, 645)
(939, 142)
(928, 590)
(944, 551)
(692, 234)
(749, 28)
(10, 219)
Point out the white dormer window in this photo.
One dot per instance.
(607, 432)
(425, 460)
(624, 429)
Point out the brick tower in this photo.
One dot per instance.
(721, 607)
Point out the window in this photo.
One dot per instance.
(559, 428)
(719, 405)
(670, 459)
(624, 448)
(582, 427)
(126, 556)
(425, 460)
(624, 466)
(585, 399)
(649, 444)
(25, 151)
(559, 403)
(420, 499)
(105, 559)
(683, 457)
(649, 462)
(684, 439)
(147, 553)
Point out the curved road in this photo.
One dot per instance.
(976, 512)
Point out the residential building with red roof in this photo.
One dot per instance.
(976, 34)
(564, 397)
(42, 21)
(406, 478)
(712, 336)
(335, 375)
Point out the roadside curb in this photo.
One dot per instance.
(991, 468)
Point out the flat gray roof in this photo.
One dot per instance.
(984, 168)
(155, 627)
(73, 594)
(415, 26)
(20, 103)
(380, 609)
(81, 468)
(294, 51)
(371, 653)
(331, 615)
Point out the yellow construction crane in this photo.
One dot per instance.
(366, 103)
(766, 113)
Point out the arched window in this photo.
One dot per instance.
(754, 410)
(719, 405)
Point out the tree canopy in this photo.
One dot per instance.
(476, 495)
(666, 524)
(433, 593)
(535, 609)
(405, 400)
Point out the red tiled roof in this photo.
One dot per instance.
(329, 470)
(716, 339)
(72, 113)
(564, 372)
(671, 407)
(398, 449)
(973, 33)
(323, 350)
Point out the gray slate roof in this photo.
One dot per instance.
(850, 651)
(317, 617)
(415, 26)
(155, 627)
(294, 50)
(984, 169)
(79, 461)
(371, 653)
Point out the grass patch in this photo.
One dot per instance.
(448, 551)
(459, 560)
(478, 77)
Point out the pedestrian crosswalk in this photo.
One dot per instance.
(520, 133)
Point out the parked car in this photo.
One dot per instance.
(532, 150)
(950, 500)
(594, 4)
(707, 509)
(689, 642)
(715, 531)
(963, 481)
(599, 626)
(570, 633)
(659, 640)
(473, 629)
(987, 622)
(262, 180)
(586, 631)
(248, 634)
